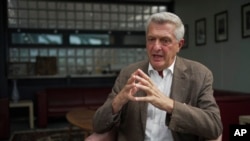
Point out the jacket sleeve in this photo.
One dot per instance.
(104, 119)
(200, 114)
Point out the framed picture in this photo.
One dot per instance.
(221, 26)
(185, 37)
(200, 32)
(245, 20)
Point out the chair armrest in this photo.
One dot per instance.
(111, 136)
(107, 136)
(218, 139)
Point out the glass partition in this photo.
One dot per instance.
(36, 39)
(89, 39)
(85, 37)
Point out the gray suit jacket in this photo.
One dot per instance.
(195, 116)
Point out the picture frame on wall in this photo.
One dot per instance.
(200, 32)
(185, 37)
(245, 20)
(221, 26)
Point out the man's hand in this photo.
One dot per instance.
(140, 81)
(154, 95)
(126, 94)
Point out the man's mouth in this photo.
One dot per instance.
(157, 57)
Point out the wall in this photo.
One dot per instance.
(3, 78)
(229, 60)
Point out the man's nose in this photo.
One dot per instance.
(157, 45)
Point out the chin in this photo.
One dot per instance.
(157, 66)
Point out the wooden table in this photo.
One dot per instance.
(82, 118)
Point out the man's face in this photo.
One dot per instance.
(162, 45)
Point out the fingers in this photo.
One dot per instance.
(143, 81)
(147, 99)
(131, 80)
(131, 95)
(137, 81)
(143, 77)
(140, 72)
(129, 89)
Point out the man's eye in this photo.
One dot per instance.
(150, 39)
(165, 41)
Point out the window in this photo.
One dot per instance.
(36, 39)
(90, 37)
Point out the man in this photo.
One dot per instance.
(164, 98)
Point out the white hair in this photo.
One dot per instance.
(167, 17)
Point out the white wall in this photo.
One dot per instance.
(230, 60)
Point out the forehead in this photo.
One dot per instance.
(161, 29)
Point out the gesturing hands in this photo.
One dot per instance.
(141, 81)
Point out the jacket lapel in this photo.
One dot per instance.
(143, 105)
(178, 88)
(180, 83)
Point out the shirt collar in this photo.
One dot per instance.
(171, 68)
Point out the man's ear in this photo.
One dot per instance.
(181, 43)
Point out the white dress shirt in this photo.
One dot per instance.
(156, 129)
